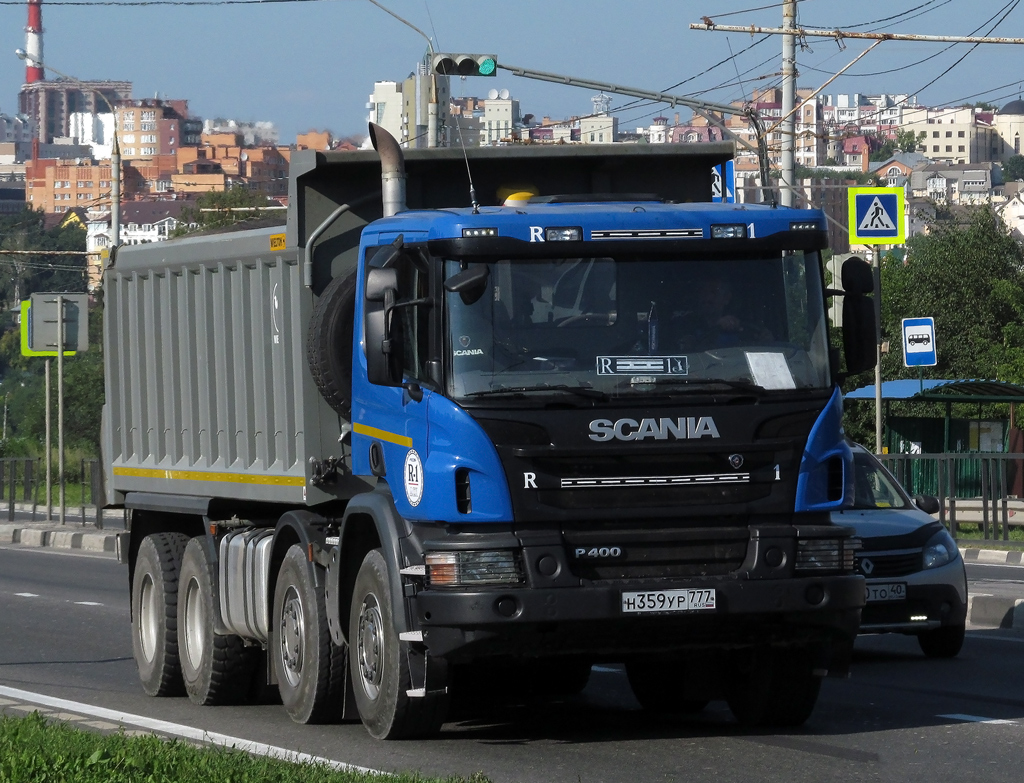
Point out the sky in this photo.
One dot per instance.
(311, 64)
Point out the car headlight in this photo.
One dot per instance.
(940, 550)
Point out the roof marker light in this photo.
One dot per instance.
(733, 231)
(563, 234)
(479, 232)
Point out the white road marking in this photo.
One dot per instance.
(27, 595)
(993, 565)
(180, 730)
(88, 603)
(980, 719)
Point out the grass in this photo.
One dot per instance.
(34, 750)
(972, 534)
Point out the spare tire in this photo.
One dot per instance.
(329, 343)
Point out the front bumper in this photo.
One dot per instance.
(589, 620)
(935, 598)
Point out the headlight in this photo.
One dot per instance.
(940, 549)
(826, 554)
(467, 568)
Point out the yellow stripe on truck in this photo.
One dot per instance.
(390, 437)
(202, 475)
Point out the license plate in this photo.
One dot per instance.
(890, 591)
(657, 601)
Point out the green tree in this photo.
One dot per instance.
(885, 151)
(236, 205)
(40, 270)
(906, 141)
(1013, 168)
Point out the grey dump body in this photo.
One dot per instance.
(208, 392)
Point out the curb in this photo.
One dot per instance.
(58, 538)
(992, 556)
(995, 611)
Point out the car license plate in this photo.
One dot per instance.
(656, 601)
(888, 591)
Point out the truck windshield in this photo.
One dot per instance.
(635, 326)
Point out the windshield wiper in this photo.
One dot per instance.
(582, 391)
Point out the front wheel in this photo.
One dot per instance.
(944, 642)
(381, 664)
(776, 688)
(659, 686)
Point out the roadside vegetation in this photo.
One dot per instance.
(34, 750)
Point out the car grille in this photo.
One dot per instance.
(891, 564)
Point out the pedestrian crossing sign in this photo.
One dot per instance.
(876, 216)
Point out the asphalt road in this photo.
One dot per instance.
(64, 632)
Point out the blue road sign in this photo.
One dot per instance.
(919, 342)
(723, 187)
(876, 216)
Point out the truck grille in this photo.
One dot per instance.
(658, 554)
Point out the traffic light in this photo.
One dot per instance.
(465, 64)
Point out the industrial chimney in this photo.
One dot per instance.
(34, 43)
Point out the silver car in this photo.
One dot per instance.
(916, 580)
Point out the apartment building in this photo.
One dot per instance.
(51, 104)
(960, 135)
(1009, 125)
(152, 127)
(403, 108)
(958, 183)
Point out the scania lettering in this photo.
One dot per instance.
(403, 442)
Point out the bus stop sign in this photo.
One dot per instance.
(919, 342)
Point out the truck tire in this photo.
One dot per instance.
(155, 613)
(216, 669)
(329, 343)
(310, 668)
(944, 642)
(380, 669)
(659, 687)
(774, 688)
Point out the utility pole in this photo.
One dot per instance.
(788, 173)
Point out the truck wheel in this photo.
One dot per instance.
(310, 668)
(380, 666)
(794, 689)
(659, 687)
(943, 642)
(775, 688)
(329, 343)
(154, 613)
(216, 669)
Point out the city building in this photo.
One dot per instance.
(51, 104)
(149, 221)
(1009, 124)
(151, 127)
(404, 108)
(960, 135)
(254, 134)
(958, 183)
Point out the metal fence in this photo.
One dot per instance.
(974, 489)
(23, 490)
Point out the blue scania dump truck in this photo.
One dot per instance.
(401, 450)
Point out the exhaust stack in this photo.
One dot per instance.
(392, 170)
(34, 43)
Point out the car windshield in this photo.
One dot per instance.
(873, 487)
(638, 326)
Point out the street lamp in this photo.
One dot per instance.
(115, 152)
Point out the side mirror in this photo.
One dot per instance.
(857, 276)
(470, 284)
(383, 352)
(860, 339)
(927, 503)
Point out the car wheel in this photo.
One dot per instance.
(216, 669)
(380, 664)
(310, 668)
(154, 613)
(944, 642)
